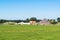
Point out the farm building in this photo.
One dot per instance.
(32, 22)
(23, 23)
(44, 22)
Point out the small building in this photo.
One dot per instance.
(32, 22)
(23, 23)
(44, 22)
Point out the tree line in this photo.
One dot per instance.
(17, 21)
(52, 21)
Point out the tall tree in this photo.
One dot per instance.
(33, 19)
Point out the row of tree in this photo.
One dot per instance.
(17, 21)
(53, 21)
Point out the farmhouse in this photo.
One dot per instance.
(44, 22)
(32, 22)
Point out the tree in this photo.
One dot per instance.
(33, 19)
(27, 20)
(2, 21)
(58, 19)
(17, 21)
(38, 20)
(52, 21)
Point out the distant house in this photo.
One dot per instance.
(44, 22)
(32, 22)
(23, 23)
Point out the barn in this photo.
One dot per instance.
(44, 22)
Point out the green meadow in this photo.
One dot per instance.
(29, 32)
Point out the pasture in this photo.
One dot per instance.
(29, 32)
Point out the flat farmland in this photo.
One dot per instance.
(29, 32)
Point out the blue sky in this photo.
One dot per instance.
(22, 9)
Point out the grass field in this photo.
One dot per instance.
(29, 32)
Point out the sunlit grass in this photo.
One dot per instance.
(29, 32)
